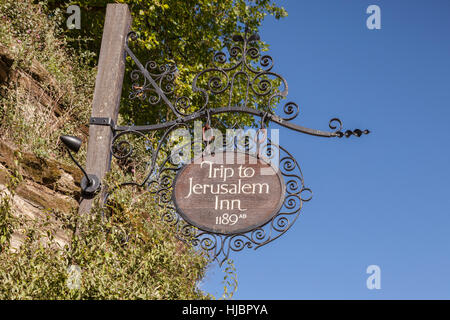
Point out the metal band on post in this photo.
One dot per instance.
(101, 121)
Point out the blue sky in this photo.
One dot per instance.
(381, 199)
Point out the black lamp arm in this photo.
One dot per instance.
(90, 182)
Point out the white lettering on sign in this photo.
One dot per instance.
(231, 197)
(222, 172)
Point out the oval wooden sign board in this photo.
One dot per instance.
(228, 193)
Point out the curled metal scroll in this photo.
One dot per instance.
(243, 65)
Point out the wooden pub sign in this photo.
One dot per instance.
(233, 196)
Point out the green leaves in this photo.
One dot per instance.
(183, 32)
(230, 282)
(120, 257)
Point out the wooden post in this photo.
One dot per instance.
(107, 92)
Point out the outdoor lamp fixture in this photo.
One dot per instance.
(90, 183)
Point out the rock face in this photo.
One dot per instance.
(47, 185)
(43, 101)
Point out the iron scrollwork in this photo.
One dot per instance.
(242, 65)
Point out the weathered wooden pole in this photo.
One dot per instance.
(107, 92)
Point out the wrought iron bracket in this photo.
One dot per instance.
(243, 67)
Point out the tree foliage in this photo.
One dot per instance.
(132, 255)
(184, 33)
